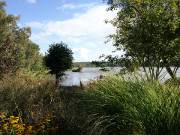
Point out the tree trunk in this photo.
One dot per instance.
(57, 81)
(172, 74)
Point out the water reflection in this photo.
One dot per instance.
(74, 78)
(88, 74)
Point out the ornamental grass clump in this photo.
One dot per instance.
(131, 105)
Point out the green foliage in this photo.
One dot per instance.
(85, 64)
(58, 59)
(33, 96)
(30, 50)
(26, 95)
(7, 23)
(79, 69)
(128, 105)
(98, 63)
(115, 105)
(11, 57)
(172, 82)
(148, 31)
(31, 59)
(4, 31)
(91, 64)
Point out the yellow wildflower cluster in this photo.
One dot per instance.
(12, 126)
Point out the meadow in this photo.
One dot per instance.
(118, 105)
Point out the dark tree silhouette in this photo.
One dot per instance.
(58, 59)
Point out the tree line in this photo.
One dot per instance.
(16, 49)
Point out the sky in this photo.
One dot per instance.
(78, 23)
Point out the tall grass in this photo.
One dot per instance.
(118, 105)
(32, 97)
(112, 106)
(27, 96)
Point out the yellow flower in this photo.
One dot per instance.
(47, 119)
(21, 127)
(14, 121)
(30, 128)
(5, 126)
(18, 133)
(16, 125)
(11, 116)
(2, 116)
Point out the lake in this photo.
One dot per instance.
(92, 73)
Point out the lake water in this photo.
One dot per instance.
(89, 74)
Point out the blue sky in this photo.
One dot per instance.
(78, 23)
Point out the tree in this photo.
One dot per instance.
(11, 57)
(148, 31)
(58, 59)
(31, 59)
(4, 31)
(6, 22)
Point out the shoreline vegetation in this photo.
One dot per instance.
(112, 105)
(105, 64)
(78, 69)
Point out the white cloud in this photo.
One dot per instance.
(73, 40)
(40, 37)
(84, 31)
(90, 23)
(82, 54)
(31, 1)
(37, 25)
(72, 6)
(91, 44)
